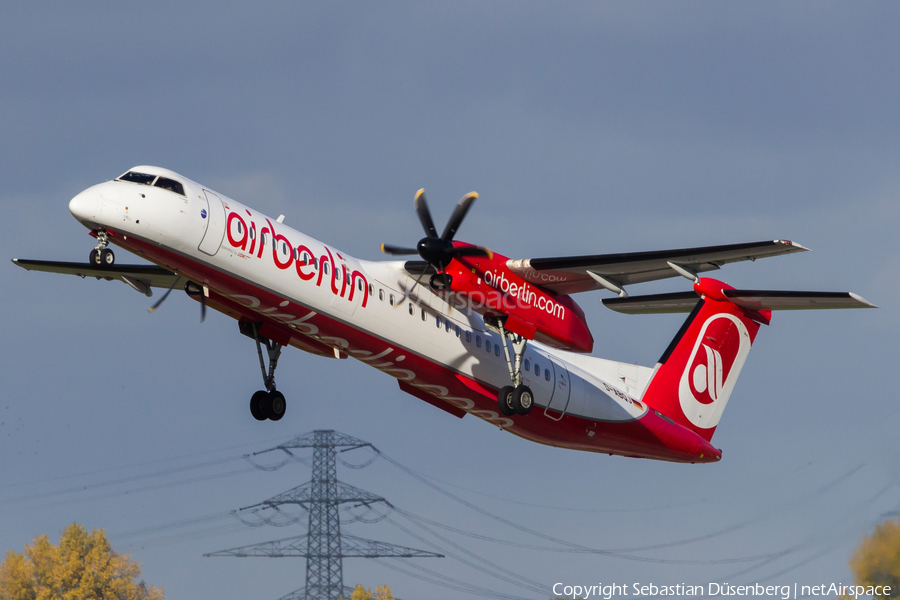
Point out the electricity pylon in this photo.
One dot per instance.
(323, 546)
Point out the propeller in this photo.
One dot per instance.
(166, 295)
(192, 289)
(437, 250)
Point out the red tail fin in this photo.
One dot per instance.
(697, 372)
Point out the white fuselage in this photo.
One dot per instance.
(362, 309)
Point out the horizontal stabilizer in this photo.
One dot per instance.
(684, 302)
(139, 277)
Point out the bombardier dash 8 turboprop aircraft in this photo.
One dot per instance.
(464, 329)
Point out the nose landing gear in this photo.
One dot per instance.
(101, 255)
(269, 403)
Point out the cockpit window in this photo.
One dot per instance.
(169, 184)
(135, 177)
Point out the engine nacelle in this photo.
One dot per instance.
(484, 284)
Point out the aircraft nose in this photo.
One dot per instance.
(85, 205)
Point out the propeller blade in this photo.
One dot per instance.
(166, 295)
(425, 214)
(458, 215)
(471, 251)
(202, 308)
(398, 250)
(409, 291)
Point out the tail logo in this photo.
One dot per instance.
(706, 382)
(712, 369)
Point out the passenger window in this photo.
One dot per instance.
(468, 337)
(135, 177)
(487, 346)
(337, 274)
(478, 341)
(537, 369)
(411, 309)
(371, 290)
(457, 331)
(240, 228)
(547, 374)
(391, 300)
(527, 365)
(423, 315)
(359, 284)
(325, 267)
(169, 184)
(252, 233)
(497, 350)
(381, 295)
(437, 321)
(447, 324)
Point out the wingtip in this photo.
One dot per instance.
(382, 249)
(798, 247)
(865, 303)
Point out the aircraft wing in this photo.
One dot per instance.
(139, 277)
(572, 274)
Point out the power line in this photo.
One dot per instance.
(323, 546)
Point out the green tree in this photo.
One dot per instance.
(876, 561)
(381, 593)
(82, 567)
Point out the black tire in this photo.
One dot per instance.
(504, 401)
(275, 406)
(522, 399)
(258, 402)
(107, 258)
(94, 257)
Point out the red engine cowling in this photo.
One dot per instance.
(485, 285)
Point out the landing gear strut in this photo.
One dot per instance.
(101, 255)
(518, 397)
(269, 403)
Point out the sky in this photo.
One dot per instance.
(586, 128)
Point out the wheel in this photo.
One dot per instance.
(275, 406)
(107, 257)
(522, 399)
(94, 257)
(504, 401)
(257, 404)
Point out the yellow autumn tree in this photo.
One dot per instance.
(82, 567)
(876, 561)
(382, 592)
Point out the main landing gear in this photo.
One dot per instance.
(518, 397)
(269, 403)
(101, 255)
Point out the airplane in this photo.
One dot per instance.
(460, 327)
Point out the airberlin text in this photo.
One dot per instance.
(246, 236)
(524, 293)
(784, 592)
